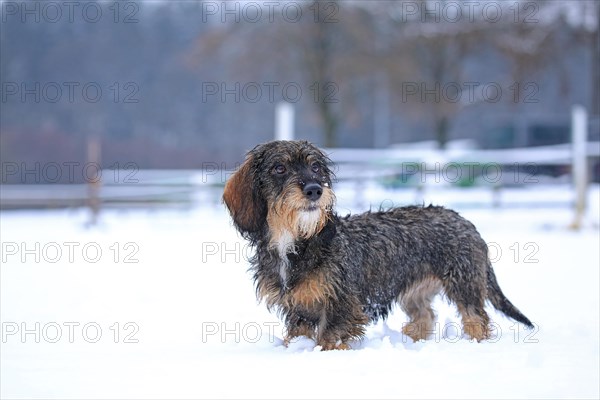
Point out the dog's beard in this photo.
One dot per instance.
(309, 222)
(292, 217)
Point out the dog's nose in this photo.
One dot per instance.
(313, 191)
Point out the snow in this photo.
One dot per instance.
(200, 332)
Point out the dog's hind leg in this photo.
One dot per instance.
(416, 303)
(465, 284)
(475, 322)
(469, 298)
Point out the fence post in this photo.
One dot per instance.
(93, 185)
(284, 121)
(579, 132)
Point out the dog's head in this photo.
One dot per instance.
(285, 185)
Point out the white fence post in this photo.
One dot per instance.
(284, 121)
(579, 132)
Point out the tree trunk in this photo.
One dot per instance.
(441, 131)
(329, 124)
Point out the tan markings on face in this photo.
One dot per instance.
(290, 215)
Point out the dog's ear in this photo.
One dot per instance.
(241, 197)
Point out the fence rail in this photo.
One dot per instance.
(418, 170)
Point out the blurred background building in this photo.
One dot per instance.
(175, 84)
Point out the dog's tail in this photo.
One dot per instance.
(501, 303)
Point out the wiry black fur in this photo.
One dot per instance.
(368, 261)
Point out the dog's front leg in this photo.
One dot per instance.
(340, 324)
(297, 326)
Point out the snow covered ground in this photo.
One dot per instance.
(158, 304)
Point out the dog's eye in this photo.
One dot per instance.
(315, 167)
(279, 169)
